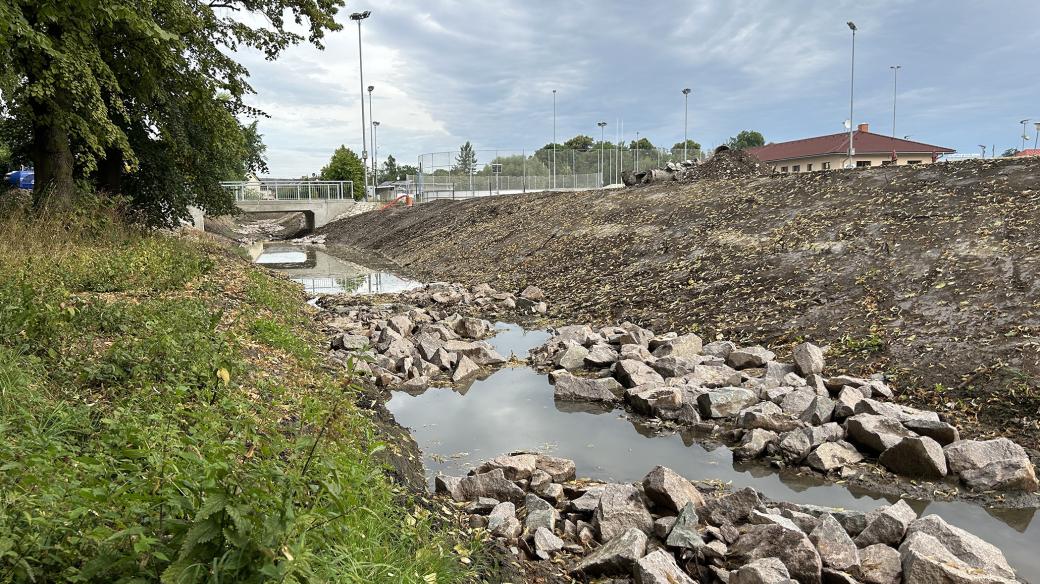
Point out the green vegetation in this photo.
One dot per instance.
(746, 139)
(345, 165)
(165, 417)
(849, 345)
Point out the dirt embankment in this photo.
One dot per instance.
(930, 274)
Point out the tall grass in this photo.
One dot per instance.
(165, 416)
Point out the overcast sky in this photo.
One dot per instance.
(449, 71)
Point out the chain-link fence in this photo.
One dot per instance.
(474, 173)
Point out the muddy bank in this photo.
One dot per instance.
(928, 274)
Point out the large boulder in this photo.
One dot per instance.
(831, 456)
(791, 547)
(808, 359)
(540, 514)
(754, 443)
(669, 490)
(479, 352)
(877, 433)
(655, 399)
(997, 464)
(724, 402)
(601, 356)
(615, 557)
(744, 357)
(465, 369)
(712, 376)
(631, 373)
(683, 533)
(502, 521)
(968, 548)
(892, 410)
(659, 567)
(685, 347)
(545, 543)
(927, 561)
(796, 403)
(916, 457)
(767, 416)
(621, 507)
(673, 366)
(763, 571)
(941, 432)
(879, 564)
(834, 545)
(514, 466)
(795, 446)
(559, 469)
(572, 388)
(887, 525)
(734, 508)
(493, 485)
(572, 357)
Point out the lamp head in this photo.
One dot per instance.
(359, 16)
(686, 91)
(601, 124)
(370, 88)
(852, 25)
(375, 123)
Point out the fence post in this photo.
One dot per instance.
(523, 155)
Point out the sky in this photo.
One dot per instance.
(448, 71)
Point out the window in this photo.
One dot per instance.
(796, 168)
(783, 169)
(862, 163)
(913, 162)
(808, 167)
(826, 165)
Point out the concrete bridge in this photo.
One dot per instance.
(319, 201)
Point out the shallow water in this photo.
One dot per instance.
(322, 273)
(513, 409)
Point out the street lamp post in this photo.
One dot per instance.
(895, 80)
(1024, 137)
(852, 91)
(983, 146)
(1036, 125)
(637, 151)
(358, 17)
(554, 142)
(375, 152)
(372, 127)
(685, 123)
(601, 126)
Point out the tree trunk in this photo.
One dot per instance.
(53, 164)
(109, 176)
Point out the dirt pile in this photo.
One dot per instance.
(726, 164)
(930, 274)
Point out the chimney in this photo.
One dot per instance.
(863, 127)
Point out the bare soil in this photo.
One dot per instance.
(930, 274)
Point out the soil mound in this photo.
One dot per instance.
(726, 164)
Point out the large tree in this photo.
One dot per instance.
(143, 91)
(466, 161)
(345, 165)
(390, 168)
(579, 142)
(692, 147)
(746, 139)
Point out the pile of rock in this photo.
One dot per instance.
(664, 530)
(671, 171)
(424, 337)
(788, 411)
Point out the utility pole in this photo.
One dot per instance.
(852, 92)
(372, 127)
(375, 153)
(554, 142)
(895, 80)
(358, 17)
(685, 124)
(1036, 126)
(1024, 137)
(983, 146)
(601, 126)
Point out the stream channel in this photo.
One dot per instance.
(513, 409)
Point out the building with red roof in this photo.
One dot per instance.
(1029, 152)
(832, 151)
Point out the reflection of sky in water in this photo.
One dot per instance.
(282, 257)
(514, 409)
(375, 283)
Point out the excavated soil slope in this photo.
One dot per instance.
(927, 273)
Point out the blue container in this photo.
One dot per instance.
(22, 179)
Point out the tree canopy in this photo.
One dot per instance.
(746, 139)
(466, 161)
(579, 142)
(143, 98)
(642, 144)
(345, 165)
(692, 147)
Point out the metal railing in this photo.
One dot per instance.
(289, 190)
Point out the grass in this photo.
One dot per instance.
(166, 417)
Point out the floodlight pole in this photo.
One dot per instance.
(895, 80)
(852, 91)
(358, 17)
(554, 142)
(375, 153)
(1036, 126)
(1024, 137)
(686, 120)
(372, 127)
(601, 126)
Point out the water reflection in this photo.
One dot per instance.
(321, 273)
(513, 409)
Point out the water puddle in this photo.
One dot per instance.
(322, 273)
(513, 409)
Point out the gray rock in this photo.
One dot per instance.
(601, 356)
(632, 373)
(571, 388)
(560, 469)
(539, 480)
(927, 561)
(845, 405)
(482, 506)
(650, 401)
(659, 567)
(793, 548)
(712, 376)
(877, 433)
(761, 571)
(685, 347)
(673, 366)
(886, 525)
(573, 357)
(552, 492)
(621, 507)
(465, 369)
(636, 353)
(473, 328)
(662, 526)
(834, 545)
(757, 517)
(669, 490)
(479, 352)
(754, 443)
(879, 564)
(540, 514)
(795, 446)
(493, 485)
(502, 521)
(400, 324)
(513, 466)
(767, 416)
(725, 401)
(755, 356)
(839, 381)
(808, 358)
(831, 456)
(916, 457)
(683, 533)
(829, 432)
(587, 502)
(545, 543)
(897, 411)
(733, 508)
(347, 342)
(968, 548)
(720, 349)
(798, 402)
(941, 432)
(616, 556)
(776, 372)
(820, 411)
(998, 464)
(581, 334)
(447, 485)
(533, 293)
